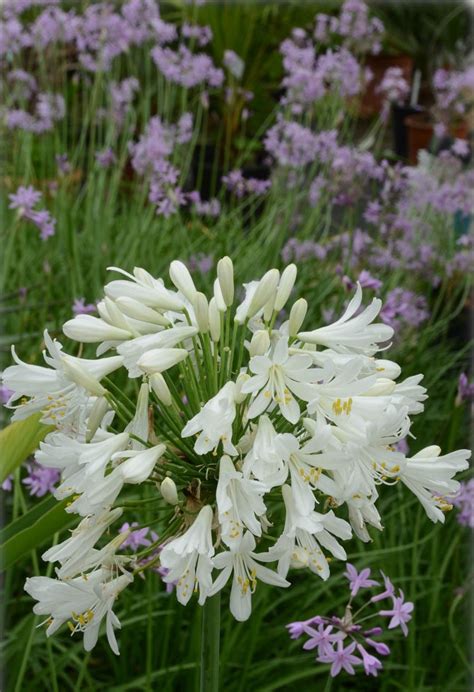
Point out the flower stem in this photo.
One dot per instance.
(210, 636)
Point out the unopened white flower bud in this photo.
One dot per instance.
(96, 416)
(82, 377)
(387, 368)
(89, 330)
(139, 311)
(160, 388)
(182, 279)
(297, 315)
(285, 286)
(169, 491)
(214, 321)
(260, 343)
(201, 310)
(110, 312)
(269, 308)
(382, 387)
(225, 274)
(160, 359)
(220, 302)
(239, 396)
(265, 290)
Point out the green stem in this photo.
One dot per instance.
(210, 636)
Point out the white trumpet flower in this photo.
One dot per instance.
(82, 602)
(213, 424)
(243, 562)
(239, 503)
(188, 559)
(430, 477)
(278, 379)
(352, 331)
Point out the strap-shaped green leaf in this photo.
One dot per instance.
(18, 440)
(32, 529)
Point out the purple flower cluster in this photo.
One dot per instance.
(464, 501)
(138, 537)
(150, 158)
(343, 642)
(404, 308)
(121, 96)
(188, 69)
(202, 35)
(240, 186)
(210, 207)
(354, 28)
(394, 89)
(24, 199)
(310, 77)
(40, 479)
(45, 110)
(453, 91)
(98, 35)
(295, 145)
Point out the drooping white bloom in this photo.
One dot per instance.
(188, 559)
(352, 331)
(82, 602)
(105, 557)
(83, 467)
(277, 379)
(304, 534)
(52, 390)
(243, 562)
(213, 423)
(239, 503)
(430, 477)
(305, 465)
(82, 539)
(264, 460)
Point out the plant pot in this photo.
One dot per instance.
(371, 102)
(421, 130)
(399, 129)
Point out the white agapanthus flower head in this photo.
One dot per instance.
(264, 444)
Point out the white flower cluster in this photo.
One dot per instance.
(255, 434)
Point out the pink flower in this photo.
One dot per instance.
(400, 613)
(342, 658)
(358, 580)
